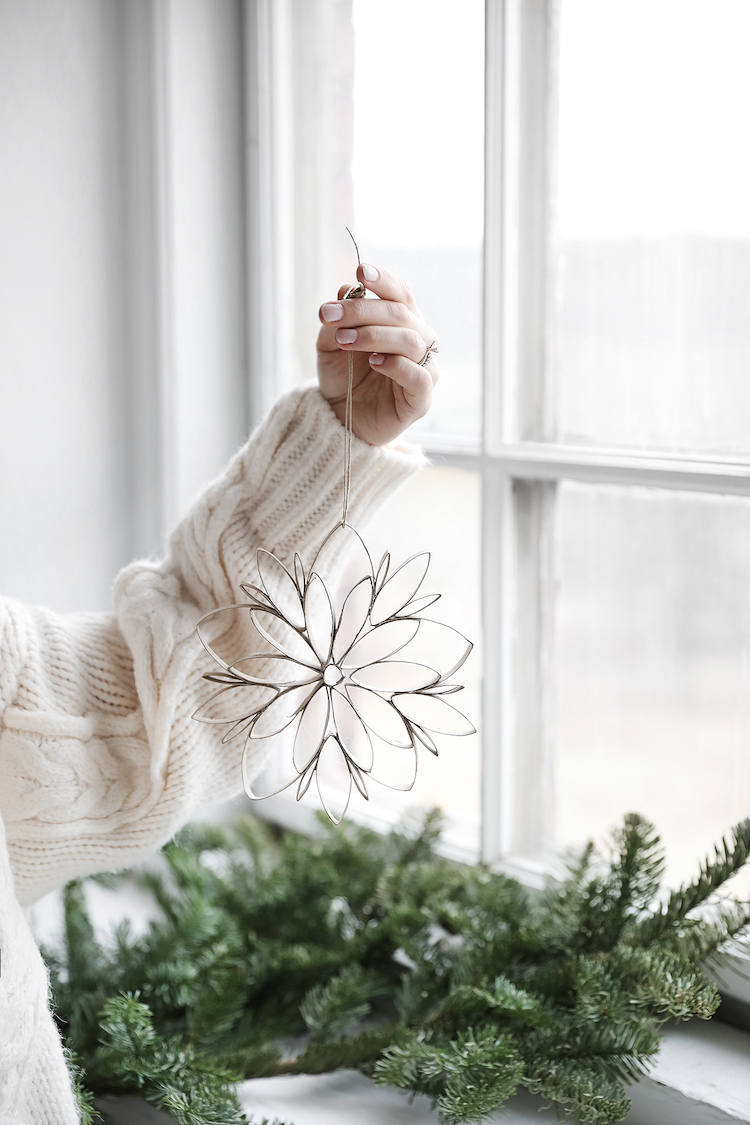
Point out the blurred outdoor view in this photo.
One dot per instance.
(652, 665)
(652, 340)
(651, 329)
(418, 172)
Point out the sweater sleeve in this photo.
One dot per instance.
(100, 758)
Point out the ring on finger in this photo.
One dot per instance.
(432, 350)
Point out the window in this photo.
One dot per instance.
(619, 454)
(410, 183)
(597, 476)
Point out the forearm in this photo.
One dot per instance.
(100, 759)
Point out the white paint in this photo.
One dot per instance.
(709, 1063)
(346, 1096)
(204, 75)
(122, 281)
(62, 460)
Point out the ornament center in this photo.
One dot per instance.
(332, 676)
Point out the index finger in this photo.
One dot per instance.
(387, 285)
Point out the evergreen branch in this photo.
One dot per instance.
(470, 1077)
(729, 858)
(330, 1009)
(265, 938)
(356, 1052)
(579, 1088)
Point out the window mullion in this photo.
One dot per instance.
(498, 695)
(648, 468)
(268, 174)
(519, 42)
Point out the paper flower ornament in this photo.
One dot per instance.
(352, 685)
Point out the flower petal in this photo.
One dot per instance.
(284, 638)
(228, 633)
(395, 675)
(275, 670)
(319, 618)
(425, 738)
(352, 732)
(440, 646)
(299, 574)
(312, 729)
(359, 781)
(400, 588)
(353, 617)
(281, 588)
(227, 679)
(442, 688)
(281, 711)
(382, 573)
(380, 643)
(394, 766)
(334, 780)
(434, 713)
(343, 544)
(379, 716)
(267, 767)
(419, 605)
(255, 594)
(235, 702)
(304, 781)
(242, 726)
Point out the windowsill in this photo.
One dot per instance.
(702, 1077)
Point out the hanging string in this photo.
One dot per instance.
(357, 290)
(348, 440)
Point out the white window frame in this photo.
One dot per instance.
(513, 456)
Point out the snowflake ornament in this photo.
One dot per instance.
(353, 683)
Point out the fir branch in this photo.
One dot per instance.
(265, 938)
(729, 857)
(358, 1051)
(330, 1009)
(577, 1087)
(470, 1077)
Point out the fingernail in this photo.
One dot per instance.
(346, 335)
(369, 273)
(376, 358)
(332, 312)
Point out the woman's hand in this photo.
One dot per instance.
(388, 338)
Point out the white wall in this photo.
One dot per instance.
(122, 280)
(62, 453)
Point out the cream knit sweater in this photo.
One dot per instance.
(100, 760)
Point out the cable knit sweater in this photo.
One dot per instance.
(100, 760)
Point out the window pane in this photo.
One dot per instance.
(418, 175)
(652, 665)
(652, 336)
(439, 511)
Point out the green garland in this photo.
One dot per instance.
(287, 955)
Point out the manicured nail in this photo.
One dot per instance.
(346, 335)
(332, 312)
(376, 358)
(369, 273)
